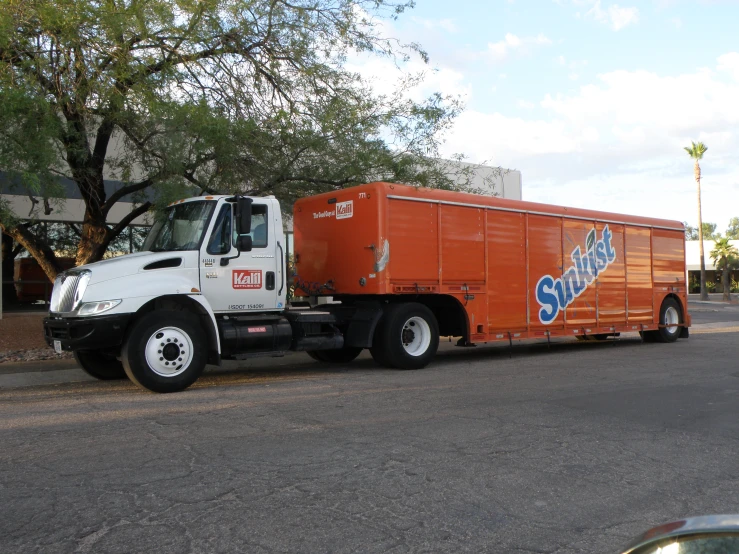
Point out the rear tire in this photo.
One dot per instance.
(336, 356)
(99, 364)
(406, 338)
(670, 315)
(166, 351)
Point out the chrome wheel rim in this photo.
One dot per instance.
(672, 319)
(416, 336)
(169, 351)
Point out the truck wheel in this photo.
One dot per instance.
(336, 356)
(407, 337)
(165, 351)
(99, 364)
(669, 315)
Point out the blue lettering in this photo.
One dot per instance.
(554, 295)
(593, 265)
(600, 252)
(560, 291)
(549, 301)
(584, 268)
(573, 286)
(610, 252)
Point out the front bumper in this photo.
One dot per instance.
(86, 333)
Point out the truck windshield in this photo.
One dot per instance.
(181, 227)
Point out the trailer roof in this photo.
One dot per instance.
(419, 194)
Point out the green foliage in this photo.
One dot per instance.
(694, 284)
(709, 232)
(215, 95)
(724, 255)
(732, 232)
(696, 150)
(710, 286)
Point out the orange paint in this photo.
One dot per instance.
(493, 256)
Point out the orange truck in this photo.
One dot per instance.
(490, 269)
(383, 267)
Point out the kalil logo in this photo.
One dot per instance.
(246, 278)
(344, 210)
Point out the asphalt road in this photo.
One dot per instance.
(573, 448)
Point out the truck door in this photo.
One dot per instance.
(250, 282)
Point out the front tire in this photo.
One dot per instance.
(99, 364)
(166, 351)
(407, 337)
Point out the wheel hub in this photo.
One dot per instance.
(408, 335)
(169, 351)
(416, 336)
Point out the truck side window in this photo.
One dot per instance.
(259, 221)
(219, 239)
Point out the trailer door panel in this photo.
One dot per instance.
(578, 246)
(639, 274)
(611, 284)
(507, 276)
(546, 294)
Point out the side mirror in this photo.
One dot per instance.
(243, 216)
(705, 534)
(243, 243)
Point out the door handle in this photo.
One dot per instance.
(270, 280)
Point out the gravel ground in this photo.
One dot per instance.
(22, 339)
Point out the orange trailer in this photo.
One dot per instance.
(495, 269)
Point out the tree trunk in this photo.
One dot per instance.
(8, 288)
(37, 248)
(725, 282)
(704, 293)
(93, 242)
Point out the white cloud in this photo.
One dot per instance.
(447, 25)
(384, 76)
(573, 66)
(729, 63)
(616, 16)
(616, 143)
(677, 22)
(499, 51)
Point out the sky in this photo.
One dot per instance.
(592, 100)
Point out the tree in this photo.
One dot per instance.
(732, 232)
(709, 232)
(696, 151)
(217, 95)
(725, 257)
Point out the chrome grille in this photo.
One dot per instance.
(62, 298)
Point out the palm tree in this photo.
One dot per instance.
(725, 257)
(696, 151)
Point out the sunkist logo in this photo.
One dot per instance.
(247, 278)
(554, 295)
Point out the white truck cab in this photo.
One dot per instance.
(209, 283)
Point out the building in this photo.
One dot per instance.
(693, 266)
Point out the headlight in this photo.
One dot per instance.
(94, 308)
(56, 293)
(81, 287)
